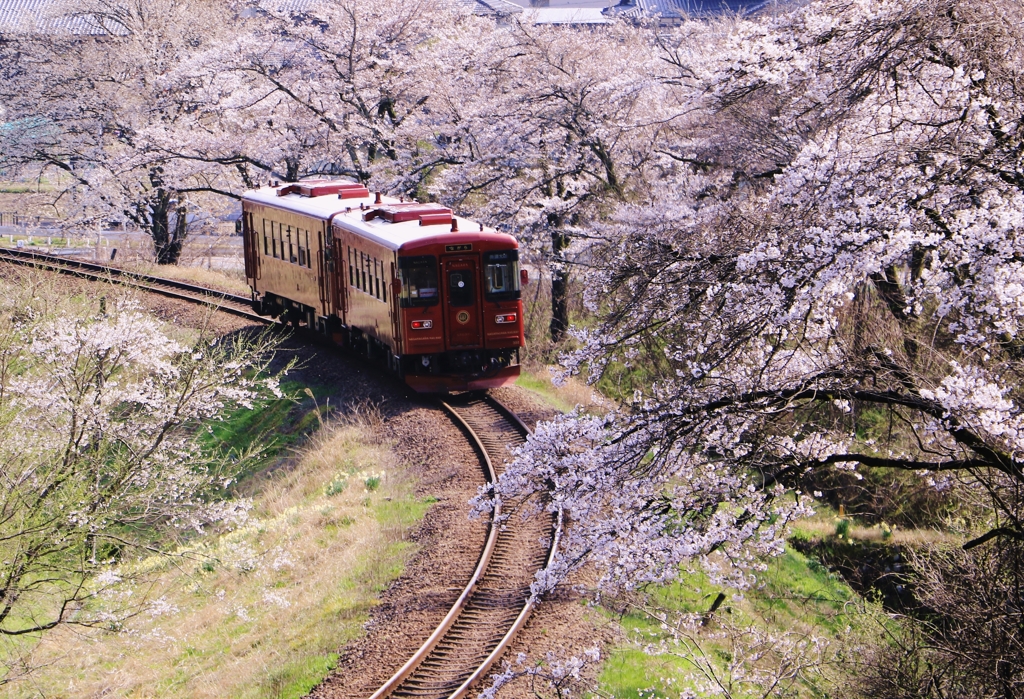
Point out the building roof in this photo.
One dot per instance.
(49, 16)
(494, 8)
(567, 15)
(682, 9)
(490, 8)
(350, 214)
(58, 16)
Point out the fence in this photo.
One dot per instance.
(12, 218)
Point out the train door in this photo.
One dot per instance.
(462, 303)
(325, 272)
(338, 283)
(250, 246)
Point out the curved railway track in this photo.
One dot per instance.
(495, 604)
(223, 301)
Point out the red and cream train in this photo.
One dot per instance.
(434, 297)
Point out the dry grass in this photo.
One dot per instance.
(232, 282)
(823, 526)
(258, 612)
(567, 395)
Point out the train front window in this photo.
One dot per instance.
(419, 280)
(501, 275)
(460, 287)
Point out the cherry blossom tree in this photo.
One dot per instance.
(832, 283)
(340, 82)
(101, 448)
(104, 108)
(561, 125)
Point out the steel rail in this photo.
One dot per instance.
(172, 288)
(531, 602)
(418, 658)
(481, 567)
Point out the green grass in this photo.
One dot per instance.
(562, 398)
(797, 594)
(33, 240)
(537, 384)
(273, 425)
(297, 678)
(398, 515)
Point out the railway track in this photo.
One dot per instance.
(223, 301)
(496, 603)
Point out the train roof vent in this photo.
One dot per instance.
(319, 188)
(436, 219)
(397, 213)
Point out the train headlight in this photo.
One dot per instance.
(422, 324)
(505, 318)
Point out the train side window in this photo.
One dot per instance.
(266, 237)
(383, 283)
(309, 260)
(501, 275)
(275, 238)
(363, 271)
(302, 248)
(291, 246)
(351, 269)
(376, 277)
(418, 276)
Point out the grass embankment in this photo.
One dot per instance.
(260, 611)
(799, 611)
(571, 393)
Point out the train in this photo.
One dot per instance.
(434, 298)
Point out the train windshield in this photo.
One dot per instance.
(501, 275)
(419, 280)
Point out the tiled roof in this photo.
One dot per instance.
(44, 16)
(679, 9)
(478, 7)
(567, 15)
(492, 8)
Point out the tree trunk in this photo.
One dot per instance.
(559, 279)
(292, 167)
(168, 237)
(155, 215)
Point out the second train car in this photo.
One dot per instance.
(432, 296)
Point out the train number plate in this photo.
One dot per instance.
(465, 247)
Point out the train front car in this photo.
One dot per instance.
(460, 311)
(456, 312)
